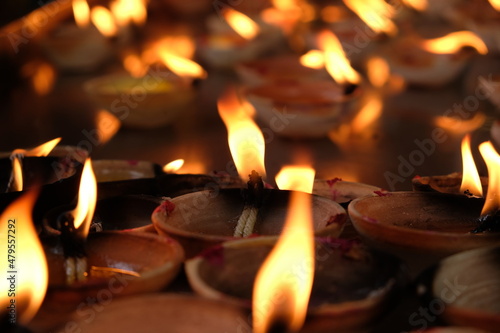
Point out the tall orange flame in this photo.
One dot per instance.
(492, 159)
(81, 12)
(470, 178)
(104, 21)
(87, 197)
(242, 24)
(336, 62)
(377, 14)
(280, 294)
(245, 139)
(24, 266)
(42, 150)
(453, 42)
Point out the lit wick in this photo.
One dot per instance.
(253, 201)
(16, 176)
(73, 243)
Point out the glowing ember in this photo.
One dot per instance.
(313, 59)
(182, 67)
(103, 20)
(377, 14)
(87, 198)
(242, 24)
(336, 62)
(23, 258)
(420, 5)
(81, 12)
(173, 166)
(492, 159)
(470, 178)
(296, 178)
(453, 42)
(281, 294)
(378, 71)
(245, 139)
(107, 125)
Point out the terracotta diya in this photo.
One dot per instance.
(342, 191)
(465, 288)
(345, 296)
(175, 313)
(201, 219)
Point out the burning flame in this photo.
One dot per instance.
(135, 66)
(420, 5)
(17, 175)
(492, 159)
(453, 42)
(377, 14)
(280, 295)
(127, 11)
(242, 24)
(42, 150)
(87, 197)
(173, 166)
(470, 179)
(369, 112)
(81, 12)
(459, 125)
(103, 20)
(296, 178)
(107, 125)
(495, 4)
(246, 141)
(23, 258)
(336, 62)
(42, 76)
(313, 59)
(182, 67)
(378, 71)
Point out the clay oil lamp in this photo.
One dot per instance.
(181, 314)
(326, 282)
(82, 264)
(85, 44)
(201, 219)
(151, 99)
(312, 107)
(24, 265)
(234, 37)
(464, 287)
(423, 227)
(57, 170)
(471, 183)
(342, 191)
(431, 62)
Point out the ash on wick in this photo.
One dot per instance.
(253, 201)
(75, 262)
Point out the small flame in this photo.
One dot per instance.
(135, 66)
(459, 125)
(17, 175)
(242, 24)
(296, 178)
(81, 12)
(24, 259)
(42, 150)
(495, 4)
(370, 112)
(378, 71)
(104, 21)
(336, 62)
(492, 159)
(182, 67)
(470, 179)
(42, 76)
(313, 59)
(453, 42)
(280, 294)
(245, 139)
(173, 166)
(377, 14)
(183, 46)
(87, 197)
(107, 125)
(420, 5)
(127, 11)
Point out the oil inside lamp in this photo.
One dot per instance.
(280, 297)
(23, 262)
